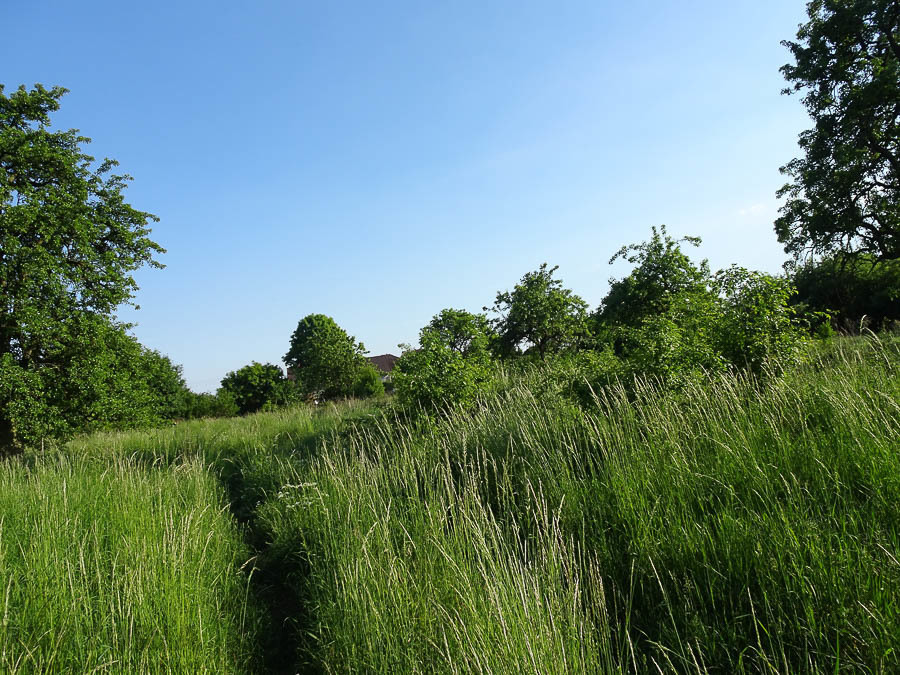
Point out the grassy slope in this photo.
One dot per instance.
(726, 528)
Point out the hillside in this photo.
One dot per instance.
(736, 525)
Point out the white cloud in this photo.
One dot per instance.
(752, 210)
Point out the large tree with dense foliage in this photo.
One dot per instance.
(844, 193)
(539, 315)
(323, 358)
(69, 243)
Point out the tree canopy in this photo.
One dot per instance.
(844, 193)
(461, 331)
(69, 243)
(662, 273)
(258, 386)
(539, 315)
(323, 358)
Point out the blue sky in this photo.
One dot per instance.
(378, 162)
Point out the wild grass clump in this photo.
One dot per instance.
(108, 566)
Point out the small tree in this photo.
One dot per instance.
(323, 358)
(367, 382)
(435, 376)
(662, 274)
(258, 387)
(673, 319)
(539, 316)
(757, 325)
(451, 366)
(462, 331)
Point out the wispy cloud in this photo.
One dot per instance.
(752, 210)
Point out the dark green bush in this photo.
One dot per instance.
(259, 387)
(367, 382)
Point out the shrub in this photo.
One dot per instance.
(367, 382)
(258, 387)
(757, 325)
(435, 375)
(853, 290)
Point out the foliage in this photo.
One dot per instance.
(367, 382)
(758, 325)
(662, 273)
(323, 358)
(672, 319)
(676, 346)
(436, 375)
(539, 316)
(855, 289)
(101, 378)
(68, 246)
(462, 331)
(258, 386)
(844, 193)
(220, 404)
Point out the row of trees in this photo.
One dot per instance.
(670, 318)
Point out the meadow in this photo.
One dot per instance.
(733, 525)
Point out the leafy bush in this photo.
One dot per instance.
(259, 387)
(673, 320)
(757, 325)
(367, 382)
(220, 404)
(436, 375)
(102, 378)
(855, 290)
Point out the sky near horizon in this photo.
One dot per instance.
(378, 162)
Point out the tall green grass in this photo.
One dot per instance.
(731, 526)
(116, 567)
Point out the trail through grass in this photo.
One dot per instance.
(734, 526)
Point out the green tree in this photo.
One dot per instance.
(69, 243)
(757, 325)
(461, 331)
(367, 382)
(673, 319)
(323, 358)
(662, 274)
(435, 375)
(844, 193)
(220, 404)
(539, 316)
(258, 386)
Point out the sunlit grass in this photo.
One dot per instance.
(732, 526)
(114, 567)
